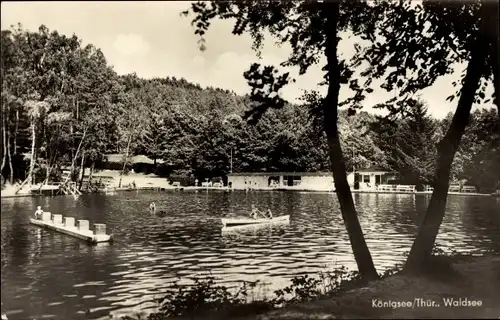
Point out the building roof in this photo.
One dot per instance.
(374, 169)
(118, 158)
(269, 174)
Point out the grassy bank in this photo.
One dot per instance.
(452, 286)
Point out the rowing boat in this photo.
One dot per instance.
(253, 228)
(234, 222)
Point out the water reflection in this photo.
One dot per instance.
(44, 273)
(482, 216)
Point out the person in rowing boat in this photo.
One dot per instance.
(254, 214)
(38, 213)
(269, 214)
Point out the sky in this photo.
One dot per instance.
(152, 39)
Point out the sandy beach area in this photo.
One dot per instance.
(141, 180)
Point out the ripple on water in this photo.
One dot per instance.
(151, 252)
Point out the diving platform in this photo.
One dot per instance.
(80, 230)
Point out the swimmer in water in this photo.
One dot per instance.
(152, 207)
(38, 213)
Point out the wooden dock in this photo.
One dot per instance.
(67, 226)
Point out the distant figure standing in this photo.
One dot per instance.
(152, 207)
(38, 213)
(196, 182)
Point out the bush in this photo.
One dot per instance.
(305, 288)
(201, 297)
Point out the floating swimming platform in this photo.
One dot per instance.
(80, 230)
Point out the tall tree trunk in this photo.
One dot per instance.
(9, 154)
(91, 172)
(75, 156)
(4, 142)
(48, 170)
(47, 173)
(32, 158)
(330, 113)
(422, 246)
(72, 142)
(33, 153)
(51, 165)
(15, 130)
(82, 170)
(125, 161)
(495, 55)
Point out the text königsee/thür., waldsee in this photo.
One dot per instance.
(426, 303)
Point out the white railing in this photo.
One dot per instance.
(406, 188)
(70, 188)
(386, 187)
(412, 188)
(396, 187)
(468, 189)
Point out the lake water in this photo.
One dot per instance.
(53, 276)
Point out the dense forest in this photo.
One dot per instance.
(63, 105)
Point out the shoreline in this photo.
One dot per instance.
(226, 189)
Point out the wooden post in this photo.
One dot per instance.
(57, 218)
(46, 216)
(99, 229)
(82, 225)
(69, 222)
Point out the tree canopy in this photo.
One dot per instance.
(192, 128)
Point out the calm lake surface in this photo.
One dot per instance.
(46, 275)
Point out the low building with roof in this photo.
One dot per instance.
(363, 179)
(370, 178)
(286, 180)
